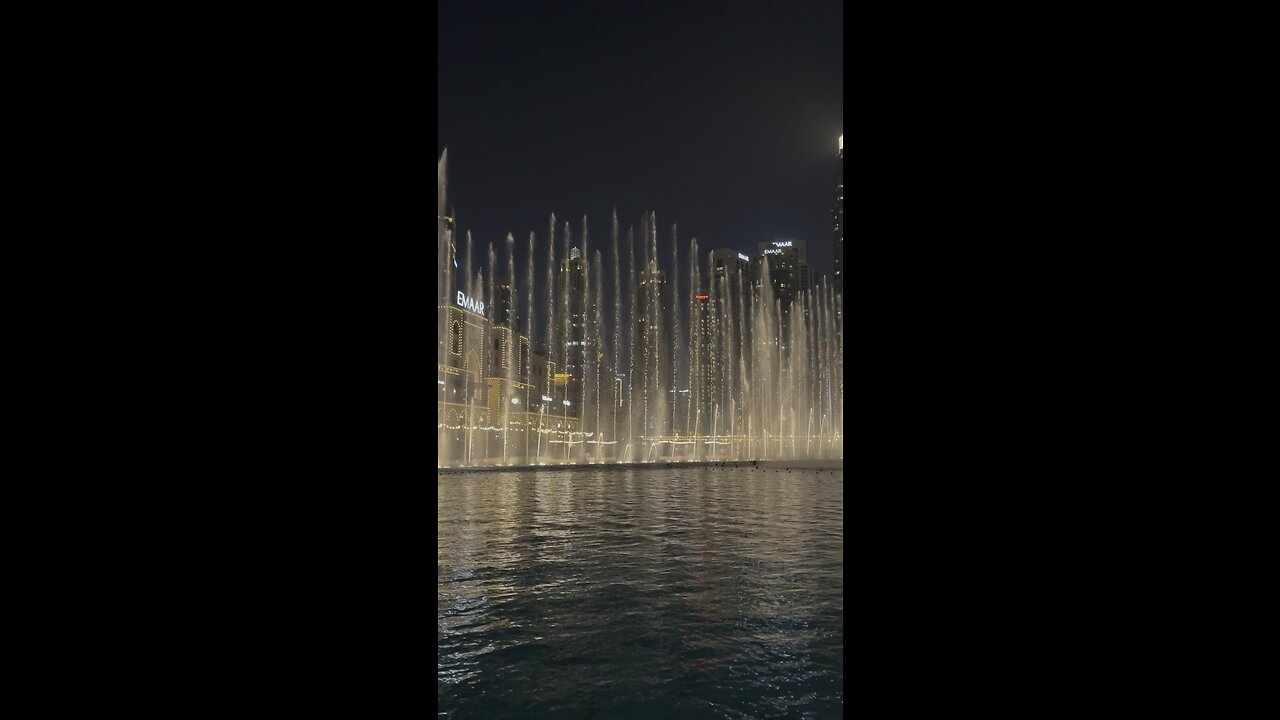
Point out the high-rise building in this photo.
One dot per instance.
(572, 282)
(788, 276)
(503, 311)
(732, 284)
(540, 371)
(838, 235)
(706, 371)
(653, 361)
(808, 279)
(731, 279)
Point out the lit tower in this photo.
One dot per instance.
(838, 218)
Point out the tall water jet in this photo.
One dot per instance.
(832, 356)
(566, 320)
(697, 382)
(661, 382)
(471, 371)
(586, 345)
(490, 367)
(742, 392)
(510, 351)
(527, 360)
(717, 357)
(631, 333)
(798, 358)
(597, 355)
(552, 339)
(676, 337)
(766, 342)
(653, 415)
(824, 366)
(617, 330)
(470, 268)
(644, 410)
(725, 367)
(442, 292)
(838, 353)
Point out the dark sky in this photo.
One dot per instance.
(720, 116)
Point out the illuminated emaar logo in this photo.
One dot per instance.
(468, 303)
(773, 252)
(782, 243)
(743, 257)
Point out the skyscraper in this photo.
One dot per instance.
(653, 366)
(503, 311)
(788, 276)
(572, 282)
(838, 235)
(731, 294)
(706, 364)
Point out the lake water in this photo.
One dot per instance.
(641, 593)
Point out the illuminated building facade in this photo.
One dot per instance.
(707, 364)
(503, 311)
(461, 377)
(485, 360)
(653, 369)
(789, 275)
(732, 283)
(838, 236)
(572, 330)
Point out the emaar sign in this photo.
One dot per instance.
(468, 303)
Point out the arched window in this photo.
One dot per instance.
(456, 337)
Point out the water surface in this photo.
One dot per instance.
(641, 593)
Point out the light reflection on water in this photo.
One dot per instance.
(689, 592)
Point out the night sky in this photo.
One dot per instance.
(719, 116)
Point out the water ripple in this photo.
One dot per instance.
(640, 593)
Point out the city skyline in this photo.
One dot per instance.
(790, 275)
(677, 360)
